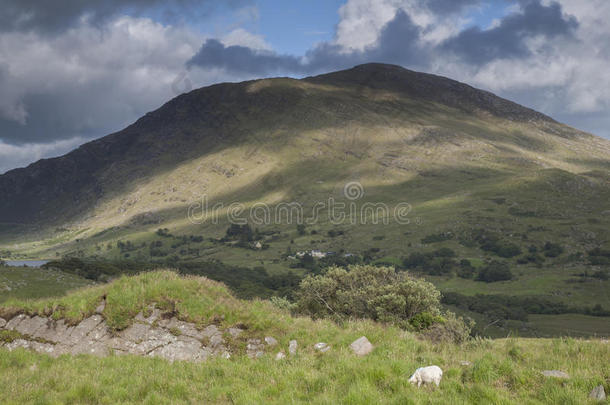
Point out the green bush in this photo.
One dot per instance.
(364, 291)
(495, 271)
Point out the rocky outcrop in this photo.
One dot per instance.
(149, 335)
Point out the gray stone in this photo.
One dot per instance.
(362, 346)
(598, 393)
(235, 332)
(270, 341)
(211, 330)
(81, 330)
(90, 347)
(321, 347)
(100, 308)
(185, 349)
(464, 363)
(29, 326)
(255, 348)
(292, 347)
(17, 343)
(216, 341)
(2, 323)
(12, 324)
(555, 373)
(55, 332)
(155, 314)
(280, 356)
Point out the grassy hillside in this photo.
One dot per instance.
(501, 371)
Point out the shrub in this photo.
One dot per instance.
(424, 320)
(495, 271)
(552, 249)
(364, 291)
(451, 329)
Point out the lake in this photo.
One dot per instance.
(28, 263)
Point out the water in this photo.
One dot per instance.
(28, 263)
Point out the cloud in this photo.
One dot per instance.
(57, 16)
(399, 42)
(509, 39)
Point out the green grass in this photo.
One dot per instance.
(32, 283)
(503, 371)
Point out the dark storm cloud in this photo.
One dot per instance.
(53, 16)
(508, 39)
(398, 43)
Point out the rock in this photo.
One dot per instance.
(255, 348)
(292, 347)
(100, 308)
(216, 341)
(185, 328)
(362, 346)
(280, 356)
(17, 343)
(90, 347)
(598, 393)
(465, 363)
(235, 332)
(185, 349)
(321, 347)
(55, 332)
(29, 326)
(82, 329)
(555, 373)
(2, 323)
(210, 331)
(12, 324)
(155, 314)
(270, 341)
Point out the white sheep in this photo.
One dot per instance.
(425, 375)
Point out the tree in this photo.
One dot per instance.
(364, 291)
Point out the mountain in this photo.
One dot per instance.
(488, 179)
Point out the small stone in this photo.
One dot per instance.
(555, 373)
(280, 356)
(292, 347)
(235, 332)
(259, 354)
(464, 363)
(598, 393)
(321, 347)
(362, 346)
(225, 355)
(270, 341)
(2, 323)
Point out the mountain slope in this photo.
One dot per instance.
(55, 190)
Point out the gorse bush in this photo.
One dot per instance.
(364, 291)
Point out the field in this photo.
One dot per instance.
(33, 283)
(500, 371)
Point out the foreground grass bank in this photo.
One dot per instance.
(500, 371)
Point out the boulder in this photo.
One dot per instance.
(12, 324)
(598, 393)
(321, 347)
(270, 341)
(555, 374)
(361, 346)
(292, 347)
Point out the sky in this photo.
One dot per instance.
(75, 70)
